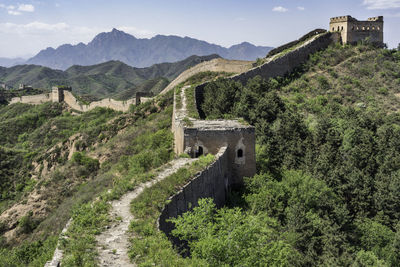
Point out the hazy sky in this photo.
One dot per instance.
(27, 26)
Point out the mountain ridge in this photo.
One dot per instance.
(118, 45)
(108, 79)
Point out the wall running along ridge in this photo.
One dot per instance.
(32, 99)
(277, 65)
(61, 95)
(215, 65)
(224, 137)
(105, 103)
(281, 65)
(210, 183)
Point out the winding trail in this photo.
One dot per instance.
(113, 244)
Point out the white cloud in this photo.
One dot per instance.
(39, 35)
(14, 13)
(301, 8)
(32, 28)
(26, 8)
(381, 4)
(280, 9)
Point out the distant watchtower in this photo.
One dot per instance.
(353, 30)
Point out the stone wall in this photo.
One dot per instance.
(32, 99)
(281, 48)
(239, 140)
(279, 66)
(216, 65)
(210, 183)
(105, 103)
(284, 64)
(70, 100)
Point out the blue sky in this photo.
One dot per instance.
(27, 26)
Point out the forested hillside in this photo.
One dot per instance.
(110, 79)
(328, 159)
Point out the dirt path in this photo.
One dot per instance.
(114, 242)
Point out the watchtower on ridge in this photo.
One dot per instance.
(352, 30)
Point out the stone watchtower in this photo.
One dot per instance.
(352, 30)
(57, 93)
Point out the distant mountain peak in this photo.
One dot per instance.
(118, 45)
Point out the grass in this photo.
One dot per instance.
(148, 150)
(349, 75)
(191, 102)
(187, 122)
(178, 96)
(74, 183)
(151, 247)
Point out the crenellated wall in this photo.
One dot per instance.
(105, 103)
(32, 99)
(60, 95)
(210, 183)
(283, 64)
(215, 65)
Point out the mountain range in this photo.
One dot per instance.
(9, 62)
(118, 45)
(110, 79)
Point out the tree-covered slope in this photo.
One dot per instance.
(110, 79)
(328, 160)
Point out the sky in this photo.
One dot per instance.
(28, 26)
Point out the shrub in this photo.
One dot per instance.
(383, 91)
(90, 164)
(27, 223)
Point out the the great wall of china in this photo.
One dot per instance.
(232, 142)
(65, 95)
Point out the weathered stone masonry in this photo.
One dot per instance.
(352, 30)
(210, 183)
(59, 95)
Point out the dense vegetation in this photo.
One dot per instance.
(326, 191)
(328, 161)
(40, 136)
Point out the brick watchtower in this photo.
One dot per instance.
(353, 30)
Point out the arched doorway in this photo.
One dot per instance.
(199, 152)
(240, 153)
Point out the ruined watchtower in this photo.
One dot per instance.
(200, 137)
(57, 93)
(353, 30)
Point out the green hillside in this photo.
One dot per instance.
(111, 79)
(326, 192)
(34, 160)
(328, 160)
